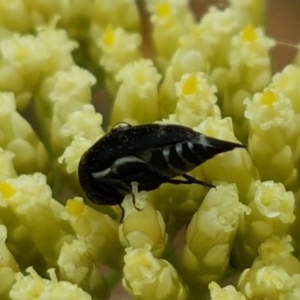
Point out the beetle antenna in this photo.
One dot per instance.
(122, 214)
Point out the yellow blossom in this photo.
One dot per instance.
(85, 122)
(142, 226)
(274, 137)
(213, 31)
(58, 58)
(58, 96)
(28, 287)
(98, 230)
(69, 84)
(77, 266)
(122, 13)
(8, 265)
(246, 11)
(183, 61)
(276, 251)
(269, 282)
(73, 153)
(147, 277)
(286, 82)
(249, 71)
(226, 293)
(250, 48)
(30, 199)
(12, 11)
(272, 213)
(196, 99)
(137, 96)
(18, 137)
(234, 166)
(269, 109)
(170, 20)
(113, 60)
(273, 201)
(197, 52)
(182, 202)
(7, 169)
(21, 51)
(23, 59)
(210, 235)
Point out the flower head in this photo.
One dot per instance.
(71, 70)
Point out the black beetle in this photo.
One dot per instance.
(149, 154)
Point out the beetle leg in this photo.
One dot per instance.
(133, 200)
(129, 190)
(122, 214)
(123, 211)
(192, 179)
(121, 185)
(134, 205)
(189, 180)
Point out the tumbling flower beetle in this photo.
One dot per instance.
(150, 155)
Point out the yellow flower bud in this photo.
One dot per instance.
(272, 213)
(276, 251)
(113, 60)
(73, 153)
(78, 266)
(84, 122)
(143, 226)
(147, 277)
(18, 137)
(234, 166)
(210, 235)
(118, 13)
(33, 286)
(274, 137)
(286, 82)
(137, 95)
(98, 230)
(248, 11)
(62, 94)
(29, 197)
(8, 265)
(196, 99)
(170, 19)
(6, 165)
(226, 293)
(269, 282)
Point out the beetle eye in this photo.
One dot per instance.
(121, 126)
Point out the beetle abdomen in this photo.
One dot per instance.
(180, 158)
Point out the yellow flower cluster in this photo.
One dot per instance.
(61, 62)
